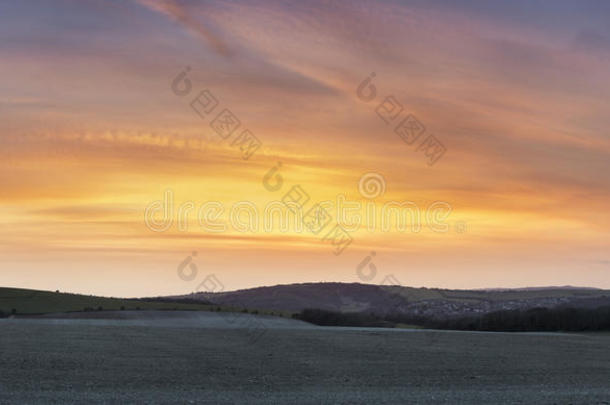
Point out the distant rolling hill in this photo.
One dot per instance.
(340, 297)
(23, 301)
(429, 302)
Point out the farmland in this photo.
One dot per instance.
(200, 357)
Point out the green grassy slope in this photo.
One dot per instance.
(39, 302)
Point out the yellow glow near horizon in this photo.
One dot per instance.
(91, 133)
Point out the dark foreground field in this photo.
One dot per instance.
(174, 357)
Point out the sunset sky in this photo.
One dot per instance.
(92, 133)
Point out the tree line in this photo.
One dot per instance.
(534, 319)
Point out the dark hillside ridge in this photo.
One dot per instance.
(383, 300)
